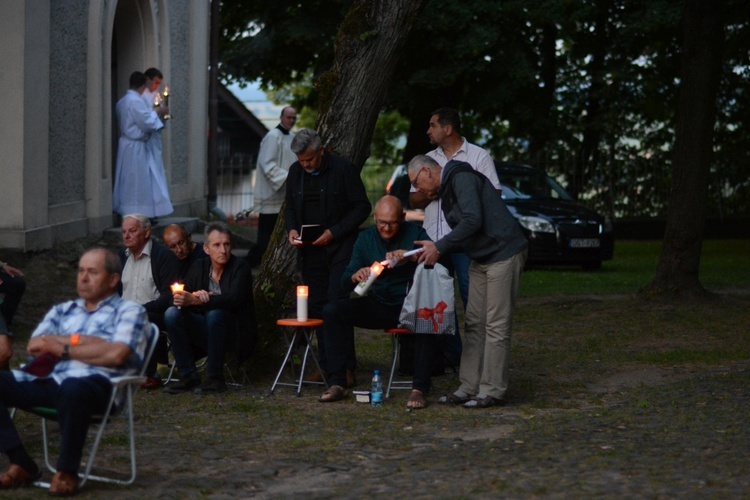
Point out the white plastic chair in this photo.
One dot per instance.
(120, 385)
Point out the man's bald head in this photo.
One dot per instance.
(178, 241)
(389, 216)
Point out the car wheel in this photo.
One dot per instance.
(591, 265)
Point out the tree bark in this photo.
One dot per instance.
(703, 31)
(352, 94)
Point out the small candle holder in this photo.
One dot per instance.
(166, 101)
(302, 293)
(177, 287)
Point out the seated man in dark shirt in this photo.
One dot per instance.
(215, 312)
(182, 246)
(389, 239)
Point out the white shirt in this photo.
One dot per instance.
(137, 280)
(480, 160)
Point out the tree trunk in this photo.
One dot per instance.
(352, 94)
(703, 31)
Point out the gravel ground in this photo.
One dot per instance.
(680, 439)
(633, 430)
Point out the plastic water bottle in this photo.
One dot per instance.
(376, 394)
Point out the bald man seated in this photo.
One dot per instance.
(181, 244)
(389, 238)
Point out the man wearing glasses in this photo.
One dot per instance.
(444, 132)
(380, 308)
(481, 226)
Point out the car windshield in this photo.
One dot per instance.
(532, 185)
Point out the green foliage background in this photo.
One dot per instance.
(585, 89)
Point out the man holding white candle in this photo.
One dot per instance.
(215, 311)
(153, 98)
(389, 239)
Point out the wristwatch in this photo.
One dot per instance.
(65, 356)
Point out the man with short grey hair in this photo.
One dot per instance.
(483, 228)
(215, 312)
(148, 270)
(324, 192)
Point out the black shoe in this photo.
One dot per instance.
(184, 385)
(211, 386)
(484, 402)
(452, 399)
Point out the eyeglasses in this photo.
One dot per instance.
(414, 182)
(388, 224)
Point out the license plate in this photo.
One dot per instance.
(585, 243)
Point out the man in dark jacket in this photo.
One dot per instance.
(323, 191)
(481, 226)
(215, 312)
(148, 270)
(181, 244)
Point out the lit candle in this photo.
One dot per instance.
(166, 101)
(375, 269)
(177, 287)
(301, 303)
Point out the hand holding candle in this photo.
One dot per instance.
(177, 287)
(375, 269)
(302, 292)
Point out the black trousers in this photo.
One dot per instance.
(323, 279)
(13, 288)
(343, 315)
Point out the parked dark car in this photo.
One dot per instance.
(559, 229)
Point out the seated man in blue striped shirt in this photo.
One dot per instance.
(83, 343)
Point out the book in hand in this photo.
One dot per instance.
(310, 232)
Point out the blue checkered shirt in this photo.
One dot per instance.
(114, 320)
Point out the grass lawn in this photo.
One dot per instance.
(724, 264)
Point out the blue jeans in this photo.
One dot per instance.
(75, 400)
(210, 331)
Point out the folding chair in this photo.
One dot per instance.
(120, 385)
(395, 356)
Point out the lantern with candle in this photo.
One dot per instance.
(177, 287)
(302, 292)
(375, 269)
(166, 102)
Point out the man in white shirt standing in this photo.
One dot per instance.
(274, 158)
(445, 133)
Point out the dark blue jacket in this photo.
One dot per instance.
(343, 200)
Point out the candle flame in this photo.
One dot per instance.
(302, 291)
(177, 287)
(376, 268)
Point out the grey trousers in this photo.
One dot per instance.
(493, 289)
